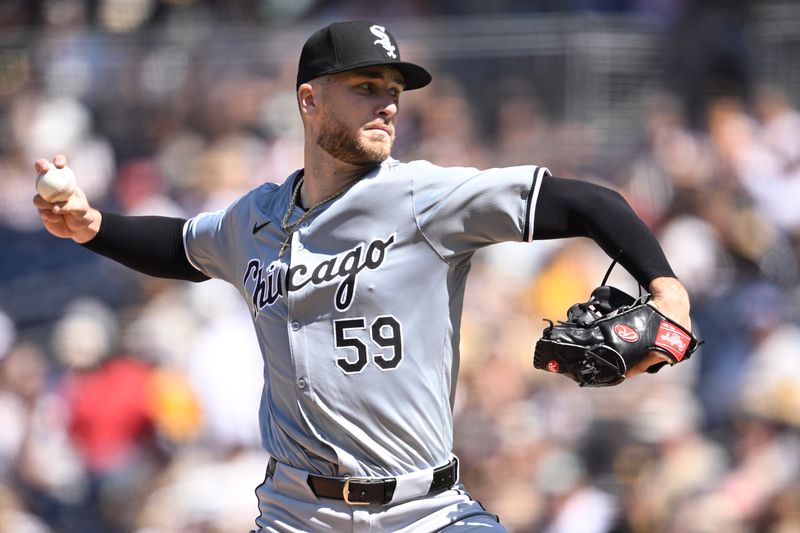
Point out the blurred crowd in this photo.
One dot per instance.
(129, 404)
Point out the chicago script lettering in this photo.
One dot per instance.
(268, 284)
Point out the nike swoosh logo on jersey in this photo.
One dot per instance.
(258, 227)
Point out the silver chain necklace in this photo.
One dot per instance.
(289, 229)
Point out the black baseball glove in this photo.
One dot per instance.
(607, 335)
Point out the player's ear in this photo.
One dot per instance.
(307, 99)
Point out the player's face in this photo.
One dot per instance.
(358, 114)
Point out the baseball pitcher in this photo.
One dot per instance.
(354, 272)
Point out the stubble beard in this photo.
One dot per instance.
(346, 145)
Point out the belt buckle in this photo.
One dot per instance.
(346, 491)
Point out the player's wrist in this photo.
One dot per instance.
(91, 229)
(670, 297)
(669, 289)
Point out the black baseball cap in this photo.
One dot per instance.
(354, 44)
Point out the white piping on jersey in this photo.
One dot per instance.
(185, 233)
(538, 174)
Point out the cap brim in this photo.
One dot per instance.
(414, 76)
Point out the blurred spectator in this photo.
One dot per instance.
(574, 505)
(37, 457)
(8, 334)
(205, 492)
(108, 400)
(226, 370)
(14, 518)
(675, 166)
(141, 190)
(771, 390)
(708, 53)
(763, 165)
(446, 132)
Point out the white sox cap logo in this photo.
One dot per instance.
(383, 40)
(343, 46)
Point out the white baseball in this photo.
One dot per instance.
(57, 184)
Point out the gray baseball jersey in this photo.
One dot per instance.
(358, 321)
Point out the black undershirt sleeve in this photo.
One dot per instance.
(573, 208)
(151, 245)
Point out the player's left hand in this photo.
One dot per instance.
(614, 336)
(671, 299)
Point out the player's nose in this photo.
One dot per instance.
(387, 108)
(387, 111)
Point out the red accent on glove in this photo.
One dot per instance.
(672, 339)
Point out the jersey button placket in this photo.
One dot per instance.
(299, 235)
(299, 354)
(296, 327)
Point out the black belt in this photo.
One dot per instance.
(366, 491)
